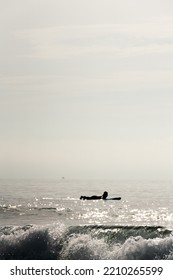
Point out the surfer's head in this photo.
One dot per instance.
(105, 194)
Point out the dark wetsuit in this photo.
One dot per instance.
(91, 197)
(94, 197)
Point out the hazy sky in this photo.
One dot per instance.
(86, 89)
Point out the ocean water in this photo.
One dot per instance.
(47, 220)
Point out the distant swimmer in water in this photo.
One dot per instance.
(93, 197)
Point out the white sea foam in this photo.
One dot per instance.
(85, 242)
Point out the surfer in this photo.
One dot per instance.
(103, 196)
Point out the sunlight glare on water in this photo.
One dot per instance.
(142, 203)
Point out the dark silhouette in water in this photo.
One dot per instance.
(93, 197)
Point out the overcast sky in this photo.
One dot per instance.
(86, 89)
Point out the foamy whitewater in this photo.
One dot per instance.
(47, 220)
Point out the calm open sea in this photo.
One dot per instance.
(47, 220)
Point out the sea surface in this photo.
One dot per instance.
(45, 219)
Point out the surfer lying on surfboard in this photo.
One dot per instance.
(103, 196)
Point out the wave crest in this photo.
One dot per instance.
(85, 242)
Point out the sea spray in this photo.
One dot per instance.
(31, 242)
(55, 241)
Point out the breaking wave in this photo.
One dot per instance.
(85, 242)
